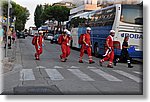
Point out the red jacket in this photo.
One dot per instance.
(109, 39)
(87, 38)
(65, 40)
(40, 40)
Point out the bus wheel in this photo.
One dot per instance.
(96, 50)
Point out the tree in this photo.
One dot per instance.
(21, 14)
(59, 13)
(37, 16)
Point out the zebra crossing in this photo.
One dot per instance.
(55, 75)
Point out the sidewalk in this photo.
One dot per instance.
(7, 63)
(10, 69)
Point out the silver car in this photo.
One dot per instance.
(48, 36)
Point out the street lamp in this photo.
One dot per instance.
(8, 23)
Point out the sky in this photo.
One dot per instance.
(31, 5)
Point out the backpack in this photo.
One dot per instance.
(80, 41)
(60, 39)
(34, 40)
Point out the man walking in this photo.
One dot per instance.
(110, 50)
(86, 45)
(38, 45)
(64, 40)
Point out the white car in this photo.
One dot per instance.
(48, 36)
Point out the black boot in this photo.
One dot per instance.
(115, 63)
(129, 65)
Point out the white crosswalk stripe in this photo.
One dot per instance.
(89, 67)
(81, 75)
(105, 75)
(74, 67)
(54, 74)
(140, 73)
(26, 74)
(58, 67)
(130, 76)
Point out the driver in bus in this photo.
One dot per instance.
(121, 18)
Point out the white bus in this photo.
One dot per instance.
(124, 19)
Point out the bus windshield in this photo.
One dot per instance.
(132, 14)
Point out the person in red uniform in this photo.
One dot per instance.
(38, 45)
(109, 55)
(86, 46)
(65, 46)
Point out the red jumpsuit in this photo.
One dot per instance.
(65, 46)
(110, 54)
(87, 40)
(38, 46)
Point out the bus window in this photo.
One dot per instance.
(80, 21)
(132, 14)
(103, 17)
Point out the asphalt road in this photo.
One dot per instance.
(51, 76)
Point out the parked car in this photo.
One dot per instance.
(21, 35)
(26, 34)
(55, 38)
(48, 36)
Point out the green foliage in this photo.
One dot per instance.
(37, 16)
(21, 14)
(58, 13)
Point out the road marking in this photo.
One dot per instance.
(54, 74)
(74, 67)
(40, 67)
(57, 67)
(138, 80)
(26, 74)
(81, 75)
(91, 67)
(105, 75)
(140, 73)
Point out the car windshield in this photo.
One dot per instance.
(49, 34)
(21, 33)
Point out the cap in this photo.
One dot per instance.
(112, 31)
(40, 31)
(88, 28)
(65, 30)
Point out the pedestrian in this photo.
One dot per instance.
(5, 36)
(38, 39)
(64, 40)
(14, 36)
(109, 55)
(124, 53)
(9, 34)
(1, 34)
(86, 45)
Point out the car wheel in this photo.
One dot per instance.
(96, 50)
